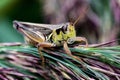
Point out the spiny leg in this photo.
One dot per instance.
(42, 45)
(69, 52)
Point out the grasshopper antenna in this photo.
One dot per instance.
(81, 15)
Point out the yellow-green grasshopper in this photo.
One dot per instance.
(49, 35)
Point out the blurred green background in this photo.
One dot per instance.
(100, 24)
(23, 10)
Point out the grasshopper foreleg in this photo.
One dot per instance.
(80, 39)
(69, 52)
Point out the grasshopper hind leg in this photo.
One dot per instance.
(41, 55)
(42, 45)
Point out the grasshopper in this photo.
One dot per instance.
(49, 35)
